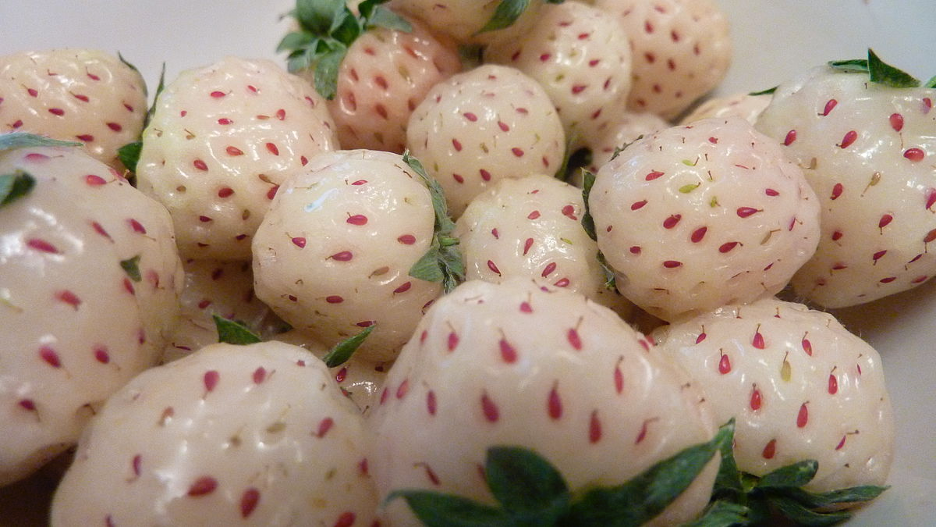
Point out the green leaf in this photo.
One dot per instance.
(524, 482)
(343, 351)
(16, 140)
(15, 186)
(385, 18)
(131, 267)
(129, 155)
(588, 222)
(645, 496)
(440, 509)
(839, 496)
(428, 267)
(930, 83)
(882, 73)
(318, 16)
(768, 91)
(723, 513)
(728, 481)
(127, 63)
(233, 332)
(791, 476)
(326, 72)
(347, 28)
(610, 282)
(295, 40)
(507, 12)
(803, 516)
(850, 66)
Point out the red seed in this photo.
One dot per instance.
(790, 138)
(807, 346)
(342, 256)
(94, 180)
(745, 212)
(914, 154)
(210, 379)
(508, 352)
(758, 341)
(698, 235)
(594, 428)
(848, 139)
(225, 192)
(653, 175)
(299, 242)
(456, 144)
(671, 221)
(885, 219)
(830, 104)
(527, 245)
(724, 364)
(217, 93)
(403, 287)
(27, 404)
(324, 426)
(50, 356)
(841, 443)
(896, 121)
(452, 341)
(574, 339)
(408, 240)
(200, 165)
(534, 215)
(101, 355)
(493, 267)
(470, 116)
(136, 464)
(755, 399)
(357, 220)
(503, 126)
(272, 149)
(431, 402)
(727, 246)
(68, 297)
(836, 191)
(517, 152)
(769, 450)
(281, 114)
(489, 408)
(833, 384)
(554, 403)
(115, 127)
(549, 269)
(225, 121)
(234, 151)
(880, 254)
(802, 418)
(334, 299)
(57, 111)
(259, 375)
(202, 486)
(485, 175)
(671, 264)
(618, 379)
(569, 211)
(248, 502)
(41, 245)
(525, 307)
(771, 192)
(346, 519)
(637, 205)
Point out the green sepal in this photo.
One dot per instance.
(129, 65)
(443, 261)
(319, 16)
(838, 497)
(792, 476)
(930, 83)
(803, 516)
(724, 513)
(234, 332)
(160, 86)
(610, 280)
(506, 13)
(878, 71)
(326, 71)
(131, 267)
(526, 484)
(343, 351)
(588, 222)
(382, 17)
(17, 140)
(768, 91)
(129, 155)
(15, 186)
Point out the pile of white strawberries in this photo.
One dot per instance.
(426, 197)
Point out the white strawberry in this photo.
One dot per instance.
(681, 50)
(74, 95)
(626, 128)
(744, 105)
(384, 74)
(232, 435)
(89, 286)
(473, 22)
(531, 227)
(217, 288)
(799, 385)
(360, 380)
(867, 149)
(580, 56)
(334, 253)
(482, 126)
(521, 364)
(698, 216)
(222, 139)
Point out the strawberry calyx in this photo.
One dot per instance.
(507, 12)
(443, 261)
(342, 352)
(234, 332)
(129, 154)
(18, 140)
(879, 72)
(530, 491)
(327, 28)
(743, 499)
(15, 186)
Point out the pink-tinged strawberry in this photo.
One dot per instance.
(336, 252)
(544, 369)
(482, 126)
(256, 435)
(744, 105)
(387, 64)
(681, 50)
(626, 128)
(580, 56)
(800, 387)
(475, 22)
(360, 379)
(75, 95)
(221, 141)
(89, 286)
(217, 288)
(702, 215)
(863, 134)
(531, 227)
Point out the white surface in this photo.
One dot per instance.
(774, 40)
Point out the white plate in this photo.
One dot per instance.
(774, 40)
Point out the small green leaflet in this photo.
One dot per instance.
(507, 12)
(234, 332)
(878, 71)
(15, 186)
(129, 155)
(131, 267)
(610, 282)
(768, 91)
(588, 223)
(443, 261)
(16, 140)
(530, 491)
(327, 28)
(343, 351)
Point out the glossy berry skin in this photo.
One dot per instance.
(799, 385)
(743, 105)
(868, 151)
(74, 95)
(231, 435)
(75, 324)
(626, 128)
(698, 216)
(520, 364)
(222, 140)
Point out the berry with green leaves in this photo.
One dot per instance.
(475, 22)
(79, 95)
(863, 133)
(89, 293)
(698, 216)
(681, 51)
(479, 127)
(541, 368)
(580, 56)
(221, 141)
(531, 227)
(356, 239)
(254, 435)
(374, 68)
(800, 387)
